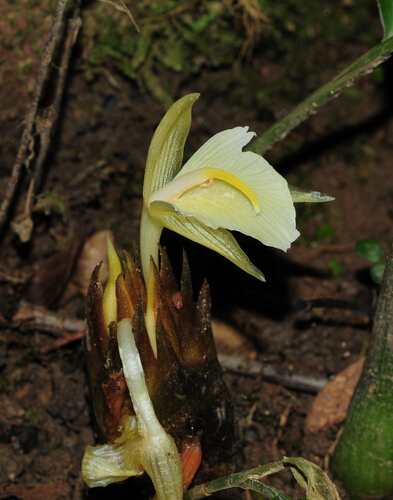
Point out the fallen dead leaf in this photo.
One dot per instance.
(53, 275)
(331, 404)
(226, 337)
(93, 252)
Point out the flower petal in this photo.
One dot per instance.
(166, 149)
(220, 151)
(220, 240)
(111, 463)
(224, 204)
(203, 177)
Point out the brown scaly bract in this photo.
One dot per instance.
(184, 382)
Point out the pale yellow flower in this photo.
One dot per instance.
(219, 189)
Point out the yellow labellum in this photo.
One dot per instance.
(203, 177)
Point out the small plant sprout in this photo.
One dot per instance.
(373, 251)
(219, 189)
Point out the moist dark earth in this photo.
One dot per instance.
(93, 180)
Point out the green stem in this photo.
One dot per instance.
(363, 459)
(365, 64)
(250, 479)
(150, 233)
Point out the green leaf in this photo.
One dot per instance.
(326, 232)
(369, 248)
(310, 477)
(249, 479)
(309, 106)
(377, 272)
(264, 490)
(335, 267)
(386, 13)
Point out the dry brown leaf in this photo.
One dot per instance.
(93, 252)
(53, 275)
(331, 404)
(226, 337)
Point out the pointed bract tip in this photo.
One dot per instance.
(300, 196)
(257, 273)
(152, 306)
(109, 299)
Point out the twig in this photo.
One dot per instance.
(27, 140)
(123, 8)
(45, 124)
(42, 126)
(251, 368)
(32, 317)
(9, 278)
(282, 423)
(307, 305)
(65, 339)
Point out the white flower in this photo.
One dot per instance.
(220, 189)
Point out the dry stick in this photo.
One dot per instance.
(123, 8)
(252, 368)
(26, 147)
(309, 304)
(27, 140)
(32, 317)
(45, 123)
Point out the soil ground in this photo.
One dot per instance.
(95, 173)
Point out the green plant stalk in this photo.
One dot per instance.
(309, 106)
(363, 459)
(317, 484)
(249, 479)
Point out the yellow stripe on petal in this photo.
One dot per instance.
(218, 173)
(203, 177)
